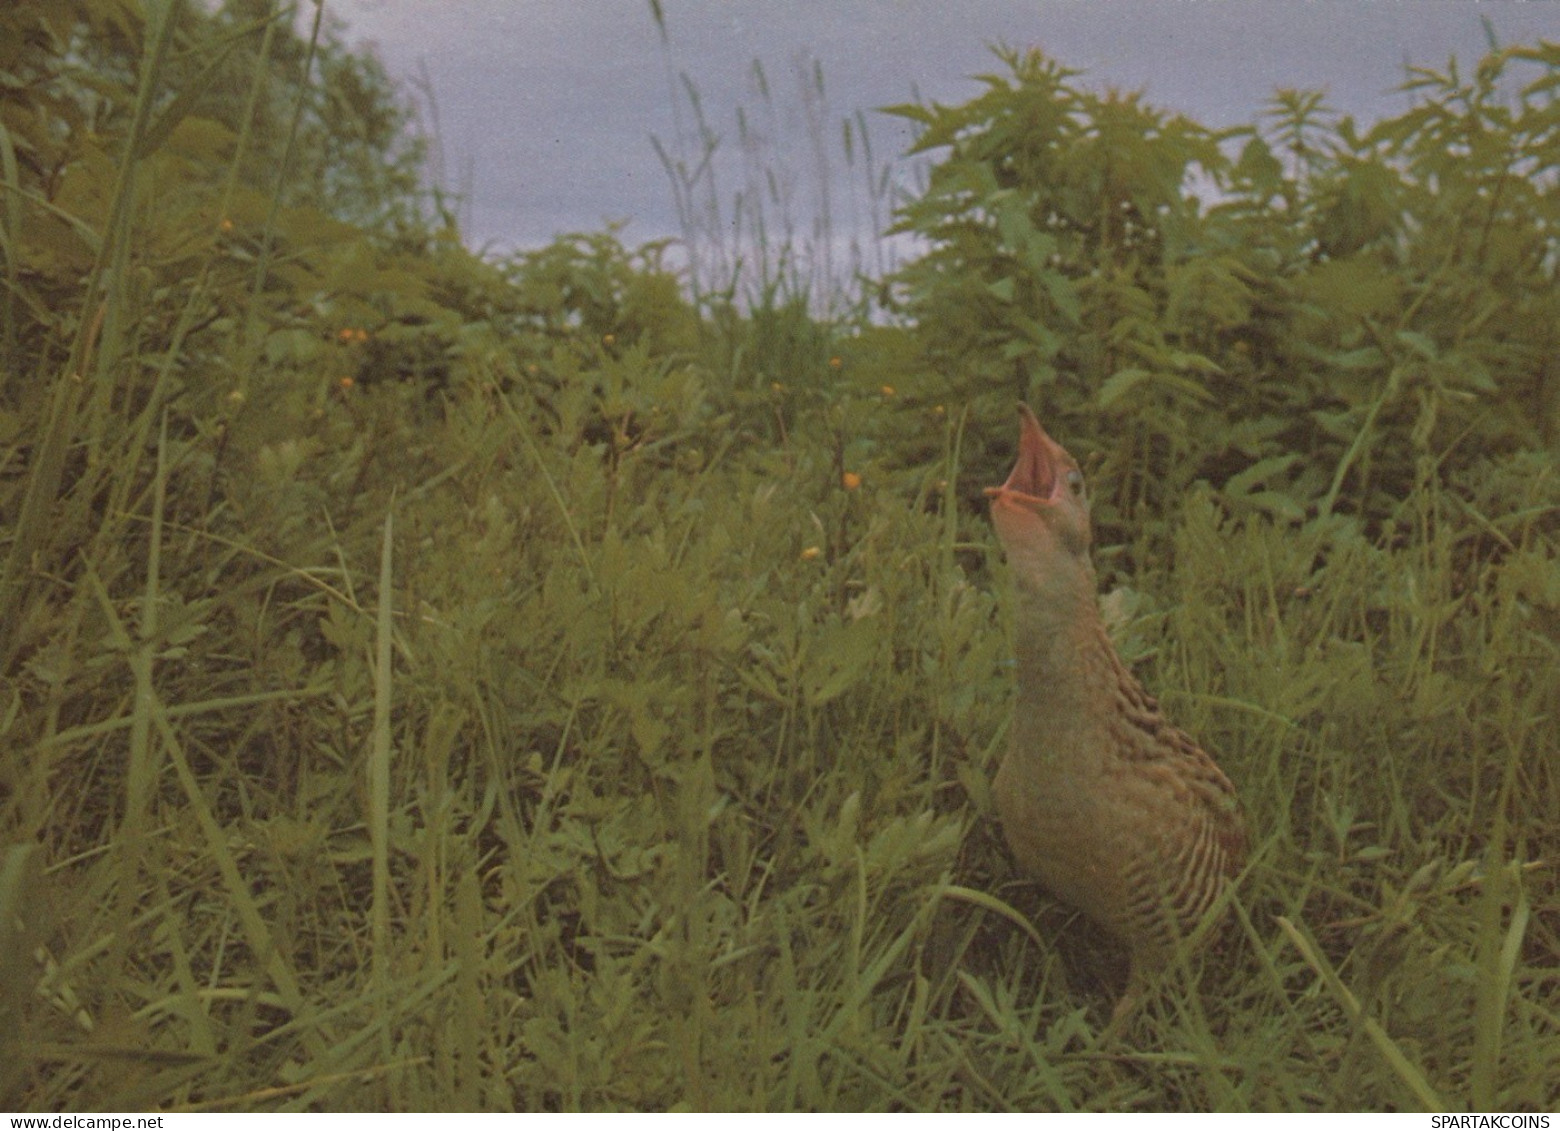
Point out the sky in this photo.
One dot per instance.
(546, 109)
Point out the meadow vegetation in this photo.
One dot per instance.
(437, 681)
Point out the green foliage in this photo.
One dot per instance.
(432, 683)
(328, 117)
(589, 286)
(1305, 316)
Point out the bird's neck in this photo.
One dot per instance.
(1068, 671)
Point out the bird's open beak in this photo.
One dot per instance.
(1035, 476)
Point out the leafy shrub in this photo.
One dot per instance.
(1305, 338)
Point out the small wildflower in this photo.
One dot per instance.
(939, 411)
(887, 390)
(236, 396)
(850, 480)
(226, 225)
(609, 339)
(776, 387)
(835, 363)
(533, 369)
(346, 384)
(811, 553)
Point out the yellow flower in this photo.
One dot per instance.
(887, 390)
(850, 480)
(835, 363)
(810, 553)
(346, 384)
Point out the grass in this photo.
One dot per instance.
(594, 742)
(799, 231)
(662, 809)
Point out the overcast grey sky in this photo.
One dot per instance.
(548, 106)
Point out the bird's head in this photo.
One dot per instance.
(1042, 512)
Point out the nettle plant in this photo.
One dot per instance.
(1309, 315)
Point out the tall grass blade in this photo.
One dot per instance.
(379, 758)
(1385, 1045)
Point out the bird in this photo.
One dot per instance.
(1101, 799)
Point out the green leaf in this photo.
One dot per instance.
(161, 127)
(1118, 384)
(1264, 472)
(1419, 343)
